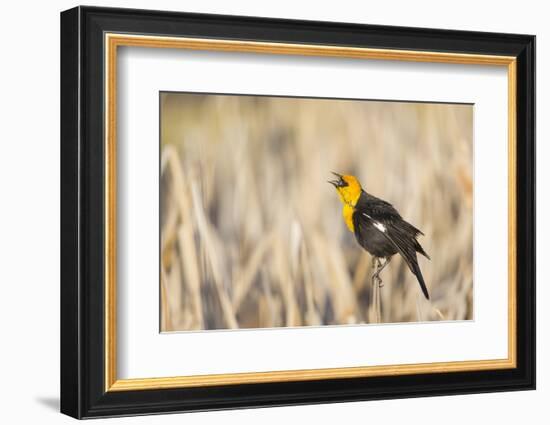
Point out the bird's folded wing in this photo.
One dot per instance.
(396, 235)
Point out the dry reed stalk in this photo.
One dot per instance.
(273, 305)
(211, 247)
(190, 265)
(339, 282)
(282, 272)
(378, 303)
(174, 288)
(312, 317)
(361, 271)
(244, 279)
(438, 313)
(166, 324)
(181, 189)
(419, 316)
(168, 237)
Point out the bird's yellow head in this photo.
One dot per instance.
(348, 188)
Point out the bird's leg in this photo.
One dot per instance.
(376, 275)
(380, 266)
(376, 289)
(376, 269)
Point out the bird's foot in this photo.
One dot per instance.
(379, 267)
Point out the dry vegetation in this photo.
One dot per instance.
(252, 235)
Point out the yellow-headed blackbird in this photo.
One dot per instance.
(378, 227)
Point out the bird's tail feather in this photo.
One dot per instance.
(418, 274)
(419, 249)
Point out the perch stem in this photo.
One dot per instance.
(377, 283)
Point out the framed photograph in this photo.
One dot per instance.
(261, 212)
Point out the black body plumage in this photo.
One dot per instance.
(381, 230)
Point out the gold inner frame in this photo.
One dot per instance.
(113, 41)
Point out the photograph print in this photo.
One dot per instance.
(289, 212)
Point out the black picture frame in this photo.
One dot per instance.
(83, 392)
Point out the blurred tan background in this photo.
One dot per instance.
(252, 234)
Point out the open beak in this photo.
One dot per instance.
(335, 183)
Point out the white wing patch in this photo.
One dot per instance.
(376, 224)
(379, 226)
